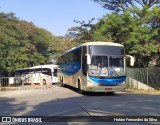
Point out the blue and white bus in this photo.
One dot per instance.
(94, 67)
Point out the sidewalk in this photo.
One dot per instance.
(27, 87)
(23, 92)
(149, 92)
(132, 91)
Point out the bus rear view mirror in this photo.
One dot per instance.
(132, 60)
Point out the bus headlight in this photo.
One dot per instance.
(123, 82)
(91, 83)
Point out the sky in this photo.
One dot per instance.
(56, 16)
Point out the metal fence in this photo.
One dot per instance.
(148, 76)
(10, 81)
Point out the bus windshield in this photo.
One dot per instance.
(106, 50)
(107, 66)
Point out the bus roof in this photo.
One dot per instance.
(44, 66)
(21, 69)
(101, 43)
(94, 43)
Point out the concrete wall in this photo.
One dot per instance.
(138, 85)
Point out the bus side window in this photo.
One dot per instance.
(84, 64)
(46, 71)
(84, 61)
(55, 73)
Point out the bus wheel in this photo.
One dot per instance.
(80, 91)
(44, 82)
(61, 83)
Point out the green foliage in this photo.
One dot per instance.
(138, 33)
(123, 5)
(137, 29)
(22, 44)
(83, 32)
(115, 27)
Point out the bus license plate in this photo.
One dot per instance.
(108, 89)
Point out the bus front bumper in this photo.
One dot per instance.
(117, 88)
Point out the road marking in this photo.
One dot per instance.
(92, 112)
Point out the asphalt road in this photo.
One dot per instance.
(58, 101)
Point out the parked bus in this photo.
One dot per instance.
(94, 67)
(42, 74)
(22, 76)
(46, 74)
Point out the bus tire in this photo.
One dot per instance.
(110, 93)
(61, 82)
(80, 91)
(44, 82)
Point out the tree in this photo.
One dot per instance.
(82, 32)
(22, 44)
(138, 34)
(122, 5)
(115, 27)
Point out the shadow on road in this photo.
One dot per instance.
(94, 104)
(99, 105)
(92, 93)
(10, 107)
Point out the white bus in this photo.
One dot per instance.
(41, 74)
(44, 74)
(22, 76)
(94, 67)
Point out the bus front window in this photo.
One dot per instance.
(106, 66)
(99, 66)
(116, 65)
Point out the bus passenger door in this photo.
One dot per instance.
(54, 76)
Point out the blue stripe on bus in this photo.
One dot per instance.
(107, 81)
(70, 68)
